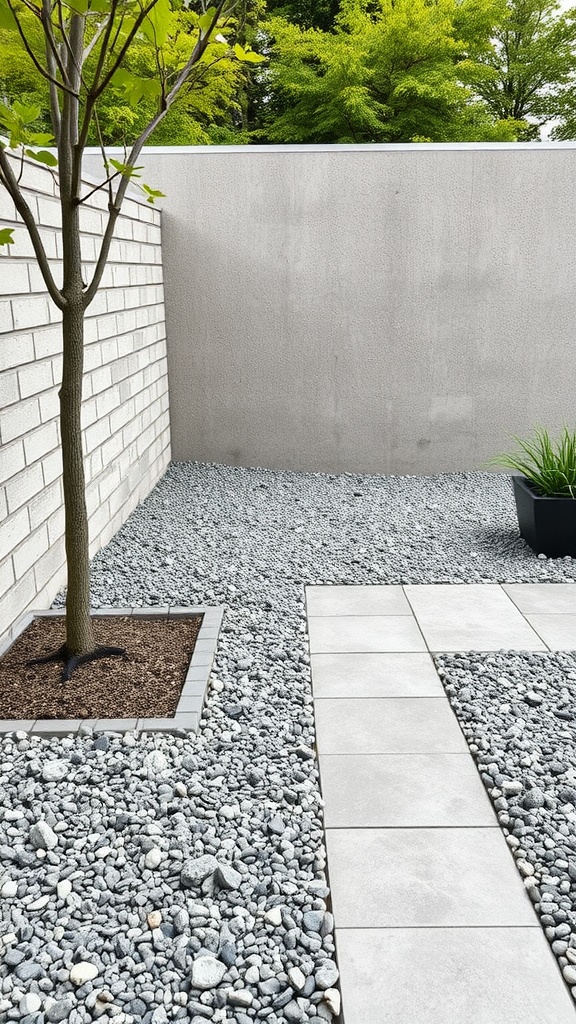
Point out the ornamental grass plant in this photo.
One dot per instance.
(550, 467)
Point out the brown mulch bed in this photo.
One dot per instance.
(144, 683)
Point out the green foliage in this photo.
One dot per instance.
(19, 79)
(207, 108)
(528, 72)
(15, 122)
(550, 469)
(339, 71)
(135, 61)
(391, 71)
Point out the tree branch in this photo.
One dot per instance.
(54, 104)
(113, 213)
(103, 151)
(93, 41)
(125, 47)
(45, 74)
(114, 208)
(8, 179)
(46, 18)
(98, 188)
(92, 92)
(76, 43)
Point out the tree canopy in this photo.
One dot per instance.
(207, 110)
(350, 71)
(388, 71)
(528, 73)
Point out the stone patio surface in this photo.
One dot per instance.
(433, 923)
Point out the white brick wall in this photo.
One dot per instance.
(125, 408)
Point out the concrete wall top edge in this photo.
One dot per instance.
(423, 147)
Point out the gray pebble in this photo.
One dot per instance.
(195, 871)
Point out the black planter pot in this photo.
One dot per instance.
(548, 525)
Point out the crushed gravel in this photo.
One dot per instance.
(158, 878)
(518, 713)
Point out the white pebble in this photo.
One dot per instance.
(153, 858)
(83, 972)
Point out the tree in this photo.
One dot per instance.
(81, 49)
(391, 71)
(209, 113)
(528, 73)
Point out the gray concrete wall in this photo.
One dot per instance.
(372, 309)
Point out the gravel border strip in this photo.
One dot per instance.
(517, 710)
(193, 693)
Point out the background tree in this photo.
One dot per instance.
(82, 50)
(390, 71)
(528, 72)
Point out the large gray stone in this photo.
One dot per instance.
(42, 836)
(207, 973)
(227, 876)
(195, 871)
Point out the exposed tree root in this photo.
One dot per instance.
(71, 661)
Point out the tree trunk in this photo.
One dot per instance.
(79, 632)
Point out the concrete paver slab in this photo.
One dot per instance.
(425, 877)
(357, 600)
(542, 598)
(451, 976)
(403, 791)
(375, 675)
(419, 725)
(433, 923)
(343, 634)
(557, 631)
(479, 617)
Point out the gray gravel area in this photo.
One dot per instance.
(157, 878)
(518, 713)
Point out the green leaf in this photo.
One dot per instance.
(42, 156)
(205, 20)
(8, 118)
(156, 26)
(16, 118)
(247, 55)
(126, 170)
(41, 139)
(253, 58)
(152, 193)
(135, 88)
(6, 236)
(26, 114)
